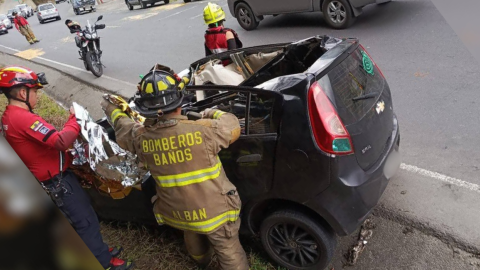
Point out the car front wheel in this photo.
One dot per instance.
(245, 17)
(297, 241)
(187, 1)
(338, 13)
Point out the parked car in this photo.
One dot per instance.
(6, 21)
(318, 145)
(3, 28)
(143, 3)
(26, 8)
(83, 5)
(47, 12)
(339, 14)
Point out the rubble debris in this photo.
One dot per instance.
(403, 192)
(366, 232)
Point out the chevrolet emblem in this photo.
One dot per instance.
(380, 107)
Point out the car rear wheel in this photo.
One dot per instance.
(297, 241)
(338, 13)
(40, 21)
(59, 18)
(245, 17)
(187, 1)
(129, 6)
(143, 4)
(166, 2)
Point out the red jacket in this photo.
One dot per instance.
(216, 39)
(19, 21)
(36, 142)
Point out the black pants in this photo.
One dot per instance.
(78, 210)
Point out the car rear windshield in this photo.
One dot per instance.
(355, 77)
(3, 17)
(10, 11)
(46, 7)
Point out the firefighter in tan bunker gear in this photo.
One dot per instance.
(193, 192)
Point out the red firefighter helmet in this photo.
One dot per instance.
(15, 75)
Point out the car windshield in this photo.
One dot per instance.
(46, 7)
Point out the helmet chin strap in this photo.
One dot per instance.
(27, 101)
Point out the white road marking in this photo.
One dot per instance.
(74, 68)
(174, 14)
(441, 177)
(199, 15)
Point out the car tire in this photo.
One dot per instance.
(129, 6)
(245, 17)
(166, 2)
(40, 21)
(338, 13)
(187, 1)
(59, 18)
(143, 4)
(312, 243)
(75, 11)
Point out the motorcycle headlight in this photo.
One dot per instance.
(88, 35)
(94, 35)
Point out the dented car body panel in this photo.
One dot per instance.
(277, 161)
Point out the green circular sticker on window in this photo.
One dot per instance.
(367, 63)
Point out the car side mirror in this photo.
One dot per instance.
(99, 18)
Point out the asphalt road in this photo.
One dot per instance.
(432, 76)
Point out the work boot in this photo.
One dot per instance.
(115, 251)
(117, 264)
(31, 42)
(36, 40)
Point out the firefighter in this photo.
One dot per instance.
(193, 192)
(24, 28)
(218, 38)
(43, 150)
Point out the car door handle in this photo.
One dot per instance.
(250, 158)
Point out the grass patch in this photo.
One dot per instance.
(151, 248)
(155, 248)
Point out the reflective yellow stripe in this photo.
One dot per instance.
(217, 114)
(202, 226)
(159, 219)
(116, 113)
(184, 179)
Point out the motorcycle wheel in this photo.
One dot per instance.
(96, 69)
(86, 65)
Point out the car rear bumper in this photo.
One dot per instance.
(353, 192)
(49, 16)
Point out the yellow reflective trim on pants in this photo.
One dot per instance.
(194, 177)
(116, 113)
(202, 226)
(217, 114)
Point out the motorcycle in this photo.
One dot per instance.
(88, 41)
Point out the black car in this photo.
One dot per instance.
(319, 143)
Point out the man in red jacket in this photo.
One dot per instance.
(218, 39)
(43, 150)
(24, 28)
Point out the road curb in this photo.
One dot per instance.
(427, 228)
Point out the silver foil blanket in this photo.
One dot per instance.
(104, 156)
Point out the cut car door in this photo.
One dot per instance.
(249, 162)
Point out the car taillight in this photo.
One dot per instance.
(39, 13)
(56, 10)
(381, 73)
(329, 132)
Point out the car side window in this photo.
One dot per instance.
(255, 111)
